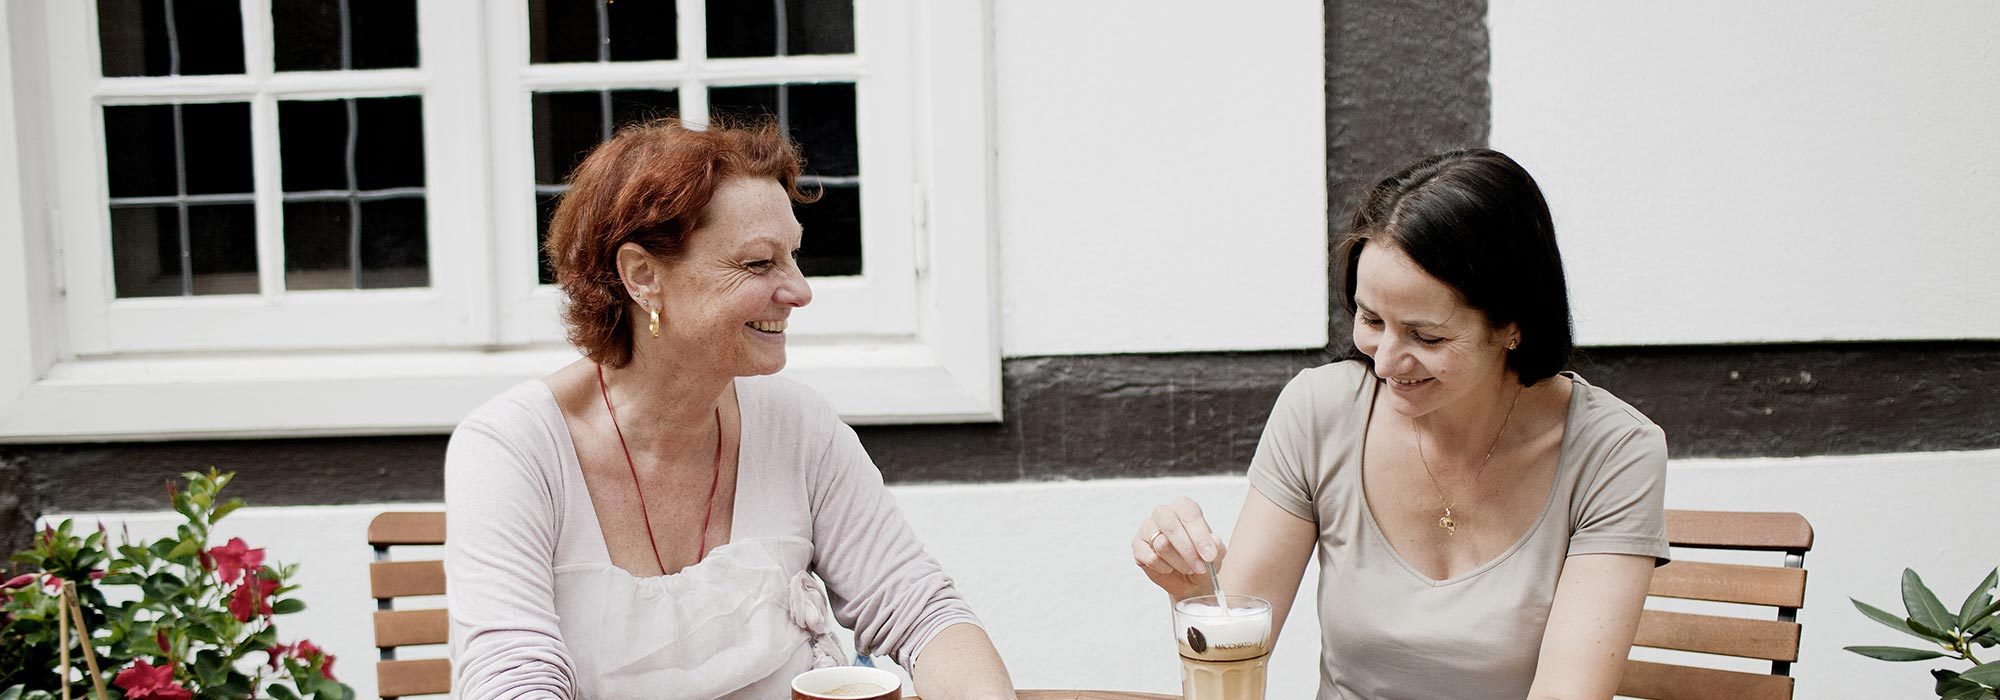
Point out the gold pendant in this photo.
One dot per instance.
(1450, 526)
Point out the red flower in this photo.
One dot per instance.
(327, 670)
(252, 598)
(97, 575)
(52, 582)
(311, 653)
(18, 582)
(143, 681)
(235, 559)
(160, 638)
(277, 651)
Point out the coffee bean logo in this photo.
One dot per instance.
(1195, 641)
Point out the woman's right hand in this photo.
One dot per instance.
(1174, 547)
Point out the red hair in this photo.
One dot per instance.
(648, 185)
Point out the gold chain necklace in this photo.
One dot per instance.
(1445, 521)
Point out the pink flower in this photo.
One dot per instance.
(311, 653)
(97, 575)
(160, 638)
(277, 651)
(235, 559)
(252, 598)
(18, 582)
(52, 582)
(143, 680)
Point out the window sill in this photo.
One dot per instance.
(418, 393)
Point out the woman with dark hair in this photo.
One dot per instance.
(1486, 524)
(655, 519)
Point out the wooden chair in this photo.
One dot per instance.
(389, 580)
(1781, 587)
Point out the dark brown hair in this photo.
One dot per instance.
(648, 185)
(1474, 219)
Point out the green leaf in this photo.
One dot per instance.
(1896, 653)
(1975, 602)
(287, 606)
(1948, 683)
(187, 547)
(1984, 674)
(162, 586)
(225, 508)
(278, 691)
(1923, 605)
(13, 693)
(1883, 616)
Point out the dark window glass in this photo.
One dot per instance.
(819, 117)
(562, 31)
(394, 249)
(385, 34)
(831, 246)
(742, 28)
(545, 211)
(566, 31)
(642, 31)
(139, 148)
(132, 39)
(137, 37)
(389, 144)
(319, 245)
(568, 124)
(306, 34)
(215, 147)
(746, 28)
(312, 145)
(376, 34)
(222, 247)
(146, 251)
(819, 27)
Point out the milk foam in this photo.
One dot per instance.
(1225, 627)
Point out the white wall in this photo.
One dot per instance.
(1047, 566)
(1781, 171)
(1161, 176)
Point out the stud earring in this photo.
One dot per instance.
(653, 322)
(1515, 343)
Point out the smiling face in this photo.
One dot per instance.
(1430, 348)
(724, 302)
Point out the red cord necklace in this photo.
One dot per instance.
(701, 552)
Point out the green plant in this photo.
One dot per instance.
(191, 617)
(1977, 624)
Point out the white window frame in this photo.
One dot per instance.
(935, 360)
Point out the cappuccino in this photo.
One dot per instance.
(1224, 650)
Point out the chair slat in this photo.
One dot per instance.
(395, 579)
(1733, 530)
(1730, 636)
(399, 528)
(394, 679)
(396, 628)
(1653, 681)
(1777, 587)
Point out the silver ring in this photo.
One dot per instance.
(1154, 541)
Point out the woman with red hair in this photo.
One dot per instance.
(657, 518)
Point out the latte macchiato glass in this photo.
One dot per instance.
(1224, 650)
(846, 683)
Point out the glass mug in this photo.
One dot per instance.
(847, 683)
(1224, 651)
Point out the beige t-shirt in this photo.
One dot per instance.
(1389, 632)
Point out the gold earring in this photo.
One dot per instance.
(653, 323)
(1515, 343)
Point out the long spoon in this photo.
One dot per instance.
(1216, 583)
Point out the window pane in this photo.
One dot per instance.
(222, 247)
(312, 145)
(146, 251)
(563, 31)
(642, 31)
(132, 38)
(744, 103)
(567, 125)
(306, 34)
(545, 211)
(394, 249)
(215, 147)
(139, 149)
(831, 246)
(135, 38)
(319, 245)
(742, 28)
(822, 121)
(389, 144)
(819, 27)
(630, 106)
(385, 34)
